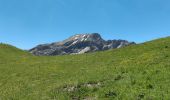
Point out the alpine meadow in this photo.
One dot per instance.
(130, 73)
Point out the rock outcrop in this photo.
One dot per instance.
(78, 44)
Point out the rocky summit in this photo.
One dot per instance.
(78, 44)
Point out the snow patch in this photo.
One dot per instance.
(84, 50)
(74, 42)
(121, 44)
(76, 38)
(84, 36)
(82, 39)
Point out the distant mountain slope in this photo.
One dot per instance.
(78, 44)
(136, 72)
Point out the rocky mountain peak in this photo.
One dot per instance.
(86, 37)
(77, 44)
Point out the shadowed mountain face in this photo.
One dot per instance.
(78, 44)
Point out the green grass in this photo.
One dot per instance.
(131, 73)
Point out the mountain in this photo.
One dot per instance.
(78, 44)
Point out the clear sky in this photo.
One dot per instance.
(26, 23)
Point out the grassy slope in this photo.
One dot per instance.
(134, 72)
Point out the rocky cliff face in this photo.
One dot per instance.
(78, 44)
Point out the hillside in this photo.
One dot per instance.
(9, 53)
(130, 73)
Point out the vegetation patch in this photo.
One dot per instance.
(80, 91)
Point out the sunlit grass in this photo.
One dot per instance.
(134, 72)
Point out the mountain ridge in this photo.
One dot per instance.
(78, 44)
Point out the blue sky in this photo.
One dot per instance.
(26, 23)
